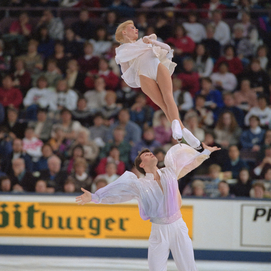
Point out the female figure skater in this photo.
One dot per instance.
(146, 63)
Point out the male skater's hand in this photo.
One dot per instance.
(84, 198)
(211, 149)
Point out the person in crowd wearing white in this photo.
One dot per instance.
(222, 29)
(195, 30)
(223, 79)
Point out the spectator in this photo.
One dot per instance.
(266, 144)
(222, 30)
(46, 43)
(242, 45)
(60, 57)
(96, 98)
(43, 125)
(262, 55)
(111, 109)
(59, 143)
(110, 78)
(75, 78)
(182, 98)
(160, 155)
(15, 127)
(125, 95)
(234, 164)
(267, 181)
(211, 186)
(21, 179)
(77, 151)
(111, 22)
(163, 131)
(39, 96)
(5, 184)
(224, 190)
(73, 48)
(54, 176)
(80, 177)
(100, 183)
(101, 44)
(91, 150)
(132, 130)
(163, 4)
(186, 4)
(32, 59)
(55, 25)
(5, 142)
(234, 63)
(212, 6)
(31, 144)
(227, 132)
(98, 131)
(119, 141)
(83, 28)
(252, 138)
(17, 152)
(88, 62)
(69, 186)
(110, 56)
(21, 27)
(229, 105)
(223, 79)
(190, 78)
(110, 173)
(148, 142)
(65, 97)
(70, 127)
(82, 114)
(245, 98)
(213, 97)
(262, 111)
(52, 74)
(141, 24)
(41, 187)
(183, 45)
(258, 190)
(211, 43)
(195, 30)
(192, 123)
(2, 113)
(263, 164)
(198, 188)
(5, 59)
(163, 28)
(203, 63)
(259, 79)
(42, 163)
(10, 96)
(140, 112)
(250, 30)
(243, 185)
(113, 156)
(206, 116)
(21, 77)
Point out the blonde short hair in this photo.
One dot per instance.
(121, 27)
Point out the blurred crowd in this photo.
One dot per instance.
(68, 120)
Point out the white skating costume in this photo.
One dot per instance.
(169, 232)
(139, 58)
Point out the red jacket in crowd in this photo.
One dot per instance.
(235, 65)
(12, 96)
(190, 82)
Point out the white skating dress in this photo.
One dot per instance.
(143, 59)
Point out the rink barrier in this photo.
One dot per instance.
(220, 229)
(133, 253)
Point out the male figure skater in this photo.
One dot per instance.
(159, 200)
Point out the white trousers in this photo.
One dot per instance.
(174, 237)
